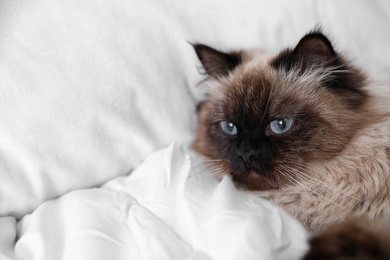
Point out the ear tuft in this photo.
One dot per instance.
(216, 63)
(314, 48)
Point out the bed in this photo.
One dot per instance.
(97, 113)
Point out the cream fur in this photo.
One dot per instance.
(356, 183)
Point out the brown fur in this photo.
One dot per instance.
(357, 239)
(333, 164)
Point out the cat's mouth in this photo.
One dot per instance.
(253, 180)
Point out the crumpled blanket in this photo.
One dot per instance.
(170, 207)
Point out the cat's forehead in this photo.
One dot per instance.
(256, 84)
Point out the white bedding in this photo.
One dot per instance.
(168, 208)
(89, 89)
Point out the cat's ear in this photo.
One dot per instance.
(216, 63)
(314, 49)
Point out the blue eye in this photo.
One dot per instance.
(280, 126)
(228, 128)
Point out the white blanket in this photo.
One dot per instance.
(169, 208)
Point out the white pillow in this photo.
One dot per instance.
(89, 88)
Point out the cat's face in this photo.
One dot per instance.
(265, 118)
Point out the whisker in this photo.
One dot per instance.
(323, 183)
(212, 170)
(278, 179)
(195, 163)
(290, 176)
(319, 194)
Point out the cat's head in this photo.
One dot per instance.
(265, 116)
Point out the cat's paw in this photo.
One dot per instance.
(346, 241)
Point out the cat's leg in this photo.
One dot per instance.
(358, 239)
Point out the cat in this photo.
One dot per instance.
(307, 130)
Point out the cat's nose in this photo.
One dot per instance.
(247, 155)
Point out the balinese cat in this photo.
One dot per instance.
(307, 130)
